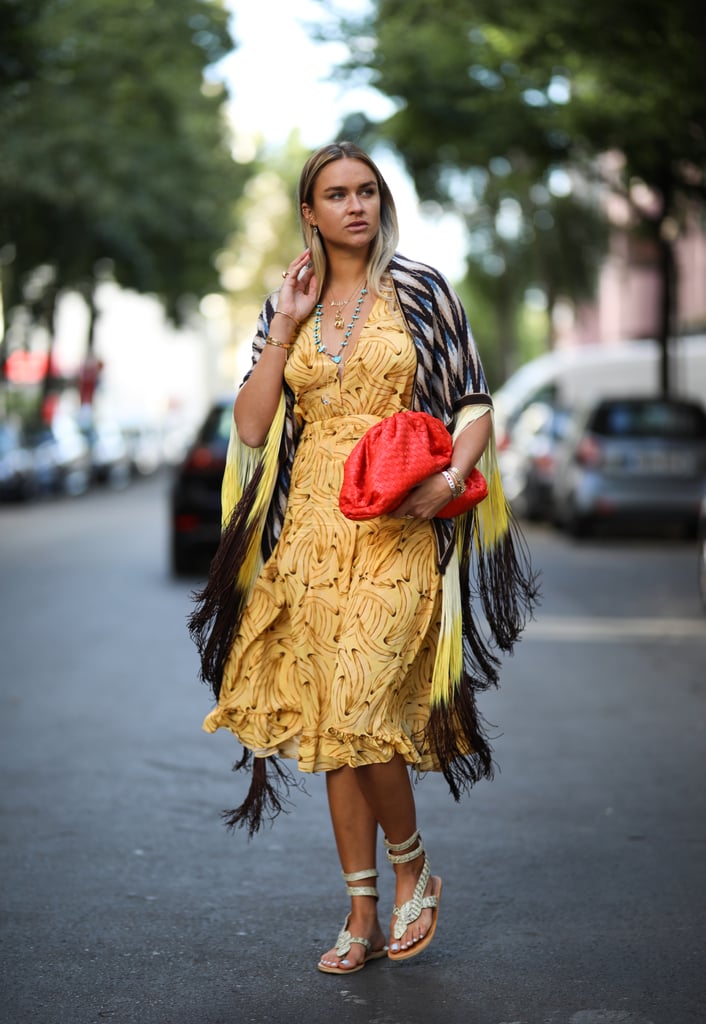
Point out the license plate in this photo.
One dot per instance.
(664, 463)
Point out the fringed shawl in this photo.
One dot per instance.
(481, 554)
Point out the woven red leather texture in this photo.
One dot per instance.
(395, 455)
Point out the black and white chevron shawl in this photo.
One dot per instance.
(449, 376)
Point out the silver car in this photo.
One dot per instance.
(637, 460)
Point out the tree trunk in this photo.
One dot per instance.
(49, 304)
(668, 283)
(91, 369)
(506, 340)
(667, 309)
(551, 306)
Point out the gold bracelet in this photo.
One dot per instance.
(460, 482)
(289, 317)
(269, 340)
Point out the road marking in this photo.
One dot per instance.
(565, 628)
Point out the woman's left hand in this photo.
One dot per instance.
(430, 496)
(427, 498)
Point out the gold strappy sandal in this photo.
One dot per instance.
(345, 940)
(409, 912)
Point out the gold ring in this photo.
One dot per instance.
(285, 273)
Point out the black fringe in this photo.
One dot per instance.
(508, 588)
(507, 585)
(265, 798)
(219, 606)
(458, 739)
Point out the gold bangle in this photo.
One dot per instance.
(289, 316)
(456, 474)
(457, 488)
(269, 340)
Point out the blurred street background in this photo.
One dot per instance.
(550, 159)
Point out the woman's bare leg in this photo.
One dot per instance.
(359, 799)
(388, 792)
(355, 831)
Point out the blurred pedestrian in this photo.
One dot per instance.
(348, 645)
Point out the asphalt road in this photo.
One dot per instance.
(574, 884)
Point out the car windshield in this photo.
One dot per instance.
(682, 421)
(217, 425)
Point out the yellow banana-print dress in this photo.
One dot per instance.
(333, 660)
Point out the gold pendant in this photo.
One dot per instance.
(338, 322)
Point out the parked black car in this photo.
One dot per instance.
(17, 475)
(635, 460)
(196, 494)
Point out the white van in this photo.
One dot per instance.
(574, 378)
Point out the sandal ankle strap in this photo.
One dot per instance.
(399, 847)
(395, 857)
(361, 890)
(355, 876)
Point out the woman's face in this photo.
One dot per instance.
(345, 205)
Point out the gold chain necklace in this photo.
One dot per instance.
(339, 322)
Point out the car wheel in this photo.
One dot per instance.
(702, 568)
(181, 560)
(533, 508)
(581, 527)
(578, 524)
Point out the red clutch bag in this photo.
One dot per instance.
(395, 455)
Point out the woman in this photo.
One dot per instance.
(351, 646)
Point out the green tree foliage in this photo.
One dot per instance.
(496, 98)
(114, 147)
(267, 237)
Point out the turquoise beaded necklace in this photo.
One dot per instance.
(318, 343)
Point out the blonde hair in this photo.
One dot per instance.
(385, 242)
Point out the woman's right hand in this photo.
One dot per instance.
(257, 400)
(297, 296)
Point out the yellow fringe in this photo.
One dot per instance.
(493, 522)
(241, 463)
(492, 526)
(492, 512)
(448, 664)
